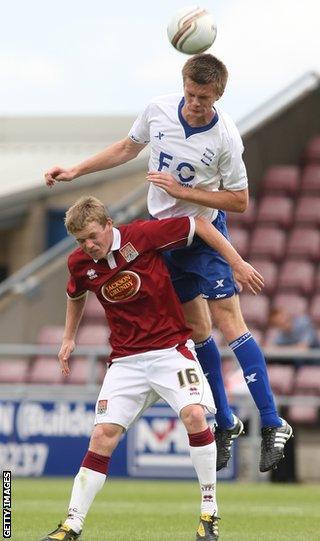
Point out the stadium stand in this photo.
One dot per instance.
(275, 211)
(310, 183)
(281, 180)
(304, 243)
(298, 276)
(268, 243)
(14, 370)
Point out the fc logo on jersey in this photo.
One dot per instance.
(121, 287)
(129, 252)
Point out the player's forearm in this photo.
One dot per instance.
(230, 201)
(73, 317)
(116, 154)
(217, 241)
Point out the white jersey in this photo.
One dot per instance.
(206, 157)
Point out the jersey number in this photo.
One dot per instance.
(188, 376)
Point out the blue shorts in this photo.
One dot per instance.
(200, 270)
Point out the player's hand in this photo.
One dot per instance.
(167, 182)
(248, 276)
(64, 354)
(58, 174)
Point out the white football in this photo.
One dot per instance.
(192, 30)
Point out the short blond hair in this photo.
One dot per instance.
(87, 209)
(206, 69)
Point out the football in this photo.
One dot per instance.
(192, 30)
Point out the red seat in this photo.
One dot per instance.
(269, 271)
(14, 370)
(275, 210)
(243, 219)
(240, 240)
(46, 370)
(304, 243)
(93, 335)
(255, 309)
(311, 154)
(80, 371)
(302, 414)
(297, 276)
(281, 180)
(308, 211)
(268, 242)
(51, 335)
(308, 380)
(93, 312)
(295, 304)
(317, 279)
(315, 309)
(310, 182)
(281, 378)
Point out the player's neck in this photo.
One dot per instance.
(196, 121)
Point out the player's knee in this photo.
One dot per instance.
(193, 417)
(105, 438)
(200, 330)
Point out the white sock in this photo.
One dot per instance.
(204, 460)
(87, 483)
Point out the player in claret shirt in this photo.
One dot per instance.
(152, 354)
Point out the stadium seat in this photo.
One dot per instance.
(46, 370)
(80, 371)
(315, 309)
(311, 154)
(268, 242)
(300, 414)
(269, 271)
(240, 240)
(310, 182)
(255, 309)
(93, 335)
(308, 211)
(281, 378)
(297, 276)
(14, 370)
(295, 304)
(317, 279)
(308, 380)
(269, 337)
(50, 335)
(275, 210)
(243, 219)
(281, 180)
(93, 312)
(304, 243)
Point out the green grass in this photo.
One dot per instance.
(168, 511)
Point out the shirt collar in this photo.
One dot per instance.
(115, 243)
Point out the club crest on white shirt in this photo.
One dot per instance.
(129, 252)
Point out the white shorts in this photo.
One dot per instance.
(135, 382)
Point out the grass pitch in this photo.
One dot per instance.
(168, 511)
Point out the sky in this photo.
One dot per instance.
(75, 57)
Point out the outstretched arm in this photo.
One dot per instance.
(73, 317)
(116, 154)
(243, 272)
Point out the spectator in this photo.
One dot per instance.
(293, 330)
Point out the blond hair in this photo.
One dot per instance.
(87, 209)
(205, 69)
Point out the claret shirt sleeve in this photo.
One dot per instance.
(169, 233)
(75, 290)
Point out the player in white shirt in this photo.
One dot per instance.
(196, 168)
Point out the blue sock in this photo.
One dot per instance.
(254, 368)
(210, 360)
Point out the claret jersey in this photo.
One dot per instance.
(206, 157)
(133, 285)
